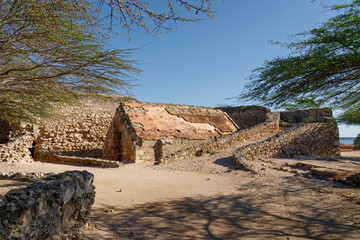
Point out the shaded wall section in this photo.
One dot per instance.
(246, 116)
(121, 139)
(309, 115)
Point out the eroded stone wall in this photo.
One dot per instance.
(320, 138)
(246, 116)
(309, 115)
(48, 209)
(155, 150)
(17, 140)
(170, 146)
(80, 130)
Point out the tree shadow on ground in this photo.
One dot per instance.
(226, 162)
(291, 212)
(354, 159)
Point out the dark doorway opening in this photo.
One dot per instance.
(32, 150)
(117, 146)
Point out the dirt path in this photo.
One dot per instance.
(206, 198)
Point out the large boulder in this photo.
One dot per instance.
(49, 209)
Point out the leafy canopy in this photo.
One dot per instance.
(324, 68)
(50, 50)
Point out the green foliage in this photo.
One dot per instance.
(51, 50)
(245, 155)
(324, 66)
(350, 116)
(211, 152)
(300, 103)
(46, 59)
(309, 119)
(283, 123)
(357, 141)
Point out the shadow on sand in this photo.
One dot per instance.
(226, 162)
(292, 212)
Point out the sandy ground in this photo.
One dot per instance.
(207, 198)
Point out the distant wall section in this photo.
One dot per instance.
(309, 115)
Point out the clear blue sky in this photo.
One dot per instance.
(204, 63)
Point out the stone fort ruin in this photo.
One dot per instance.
(122, 129)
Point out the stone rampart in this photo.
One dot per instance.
(246, 116)
(320, 138)
(53, 208)
(271, 124)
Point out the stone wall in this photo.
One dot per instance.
(54, 208)
(16, 140)
(246, 116)
(84, 161)
(271, 124)
(303, 139)
(154, 150)
(169, 146)
(81, 129)
(309, 115)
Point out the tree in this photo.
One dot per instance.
(50, 50)
(323, 68)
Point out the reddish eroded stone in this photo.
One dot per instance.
(304, 166)
(218, 120)
(331, 173)
(154, 121)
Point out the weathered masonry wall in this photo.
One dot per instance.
(81, 129)
(48, 209)
(320, 138)
(56, 158)
(168, 146)
(154, 150)
(271, 124)
(310, 115)
(16, 140)
(246, 116)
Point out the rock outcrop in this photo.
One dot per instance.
(56, 207)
